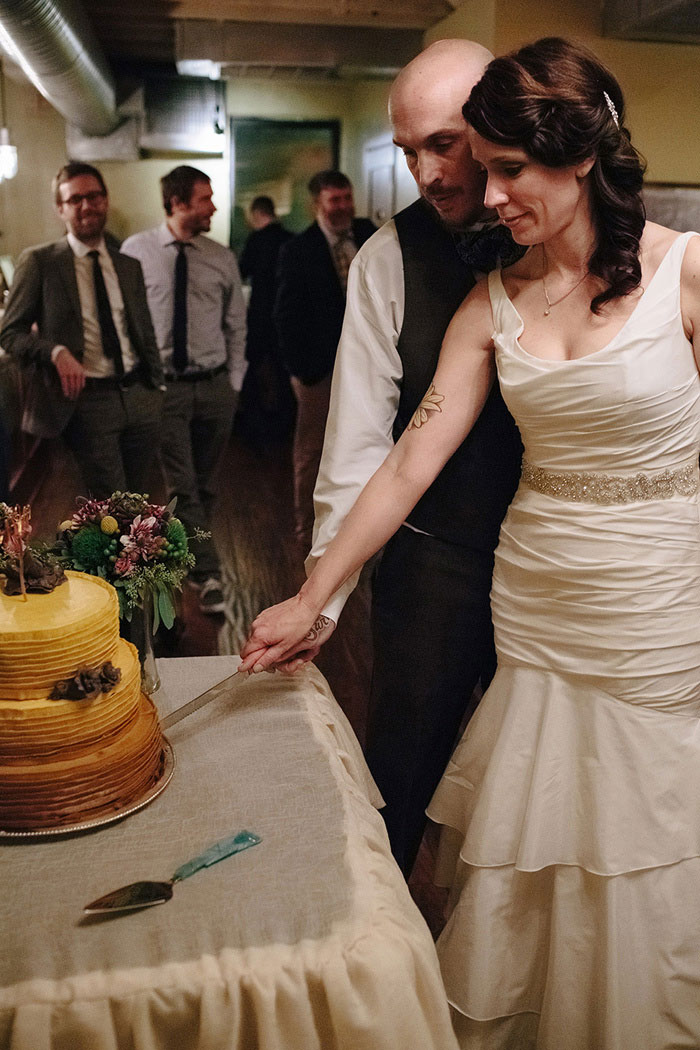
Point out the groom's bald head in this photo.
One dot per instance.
(425, 109)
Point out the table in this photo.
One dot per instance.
(308, 941)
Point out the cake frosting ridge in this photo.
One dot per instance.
(64, 762)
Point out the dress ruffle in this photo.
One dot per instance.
(573, 862)
(559, 777)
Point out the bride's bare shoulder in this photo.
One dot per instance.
(655, 242)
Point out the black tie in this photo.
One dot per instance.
(180, 309)
(111, 347)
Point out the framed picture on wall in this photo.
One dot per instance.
(277, 158)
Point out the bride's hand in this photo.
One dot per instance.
(285, 636)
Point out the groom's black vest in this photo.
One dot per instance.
(468, 500)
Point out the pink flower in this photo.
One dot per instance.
(142, 543)
(157, 511)
(90, 510)
(124, 565)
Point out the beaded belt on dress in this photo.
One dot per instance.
(597, 487)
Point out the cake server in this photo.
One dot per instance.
(145, 894)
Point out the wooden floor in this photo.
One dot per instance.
(261, 565)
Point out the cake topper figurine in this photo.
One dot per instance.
(16, 533)
(26, 568)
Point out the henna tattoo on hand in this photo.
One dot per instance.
(430, 403)
(319, 626)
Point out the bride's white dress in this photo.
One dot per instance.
(575, 793)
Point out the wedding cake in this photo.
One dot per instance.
(78, 738)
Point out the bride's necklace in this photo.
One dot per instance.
(555, 302)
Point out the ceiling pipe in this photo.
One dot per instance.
(53, 43)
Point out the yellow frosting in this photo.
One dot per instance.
(46, 637)
(63, 762)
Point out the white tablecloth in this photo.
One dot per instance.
(308, 941)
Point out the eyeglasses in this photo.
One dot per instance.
(92, 198)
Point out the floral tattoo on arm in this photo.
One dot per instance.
(430, 403)
(319, 626)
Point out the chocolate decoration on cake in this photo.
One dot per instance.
(42, 573)
(87, 683)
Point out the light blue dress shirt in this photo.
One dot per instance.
(216, 311)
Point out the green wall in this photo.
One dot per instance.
(661, 82)
(26, 208)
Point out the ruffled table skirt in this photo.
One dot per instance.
(309, 941)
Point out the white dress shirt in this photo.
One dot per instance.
(94, 361)
(365, 391)
(364, 394)
(216, 310)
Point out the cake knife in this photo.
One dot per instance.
(146, 894)
(199, 701)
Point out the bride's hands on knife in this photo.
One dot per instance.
(285, 637)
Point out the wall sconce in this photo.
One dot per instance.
(8, 153)
(8, 156)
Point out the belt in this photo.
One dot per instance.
(195, 377)
(597, 487)
(114, 382)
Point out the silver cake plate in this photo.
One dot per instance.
(110, 818)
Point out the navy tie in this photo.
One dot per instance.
(180, 309)
(111, 347)
(485, 249)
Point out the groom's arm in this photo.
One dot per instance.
(364, 395)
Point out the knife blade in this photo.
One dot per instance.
(199, 702)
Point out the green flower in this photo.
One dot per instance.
(177, 538)
(90, 548)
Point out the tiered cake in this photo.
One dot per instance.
(66, 762)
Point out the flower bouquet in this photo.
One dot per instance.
(141, 548)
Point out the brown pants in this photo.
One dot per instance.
(312, 411)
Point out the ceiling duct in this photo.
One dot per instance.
(53, 43)
(184, 114)
(367, 51)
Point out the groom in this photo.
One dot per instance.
(431, 622)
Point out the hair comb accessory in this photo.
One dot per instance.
(611, 107)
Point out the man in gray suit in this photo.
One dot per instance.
(77, 320)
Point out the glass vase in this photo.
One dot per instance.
(142, 622)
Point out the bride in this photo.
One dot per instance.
(572, 803)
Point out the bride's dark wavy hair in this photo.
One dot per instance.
(548, 99)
